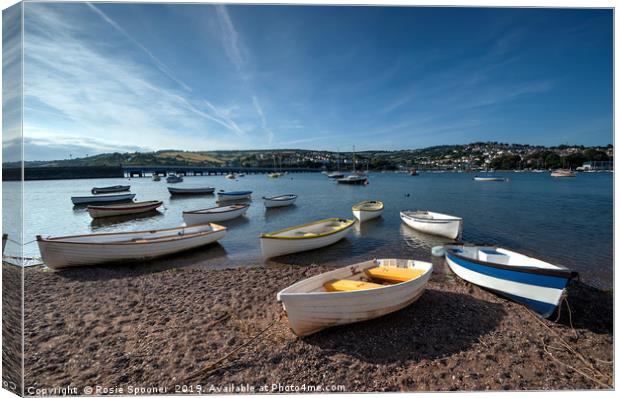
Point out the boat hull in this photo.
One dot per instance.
(273, 202)
(224, 197)
(309, 313)
(542, 293)
(190, 191)
(83, 200)
(65, 254)
(194, 218)
(365, 215)
(273, 246)
(447, 228)
(113, 211)
(117, 188)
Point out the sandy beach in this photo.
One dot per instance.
(159, 327)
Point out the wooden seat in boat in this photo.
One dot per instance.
(346, 285)
(393, 274)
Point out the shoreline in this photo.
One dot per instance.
(153, 326)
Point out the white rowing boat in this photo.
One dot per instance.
(83, 200)
(304, 237)
(123, 209)
(490, 179)
(93, 249)
(433, 223)
(114, 188)
(367, 210)
(191, 191)
(353, 293)
(234, 195)
(279, 201)
(529, 281)
(214, 214)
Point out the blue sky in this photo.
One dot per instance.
(122, 77)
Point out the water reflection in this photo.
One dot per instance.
(418, 240)
(368, 228)
(99, 223)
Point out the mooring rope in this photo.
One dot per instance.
(211, 367)
(567, 346)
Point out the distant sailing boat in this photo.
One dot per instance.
(355, 178)
(336, 174)
(274, 174)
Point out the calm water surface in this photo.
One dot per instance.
(565, 221)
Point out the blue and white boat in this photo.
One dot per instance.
(529, 281)
(234, 195)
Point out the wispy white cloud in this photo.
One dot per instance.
(88, 93)
(160, 65)
(261, 115)
(233, 45)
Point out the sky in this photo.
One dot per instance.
(124, 77)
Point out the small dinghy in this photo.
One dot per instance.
(353, 293)
(279, 201)
(529, 281)
(93, 249)
(353, 179)
(304, 237)
(214, 214)
(234, 195)
(191, 191)
(433, 223)
(84, 200)
(367, 210)
(173, 179)
(115, 188)
(230, 176)
(490, 179)
(123, 210)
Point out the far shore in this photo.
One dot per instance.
(154, 325)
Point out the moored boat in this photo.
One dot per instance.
(433, 223)
(353, 293)
(214, 214)
(563, 173)
(279, 201)
(274, 175)
(111, 189)
(335, 174)
(353, 179)
(231, 176)
(490, 179)
(367, 210)
(536, 284)
(94, 249)
(5, 237)
(234, 195)
(83, 200)
(123, 210)
(173, 179)
(304, 237)
(156, 177)
(191, 191)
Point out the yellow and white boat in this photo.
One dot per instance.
(367, 210)
(304, 237)
(353, 293)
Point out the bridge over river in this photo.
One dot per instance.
(62, 173)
